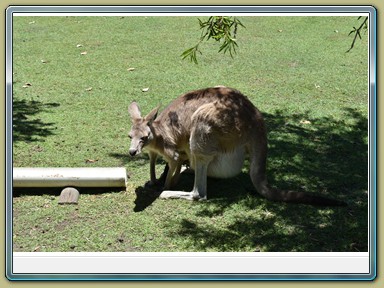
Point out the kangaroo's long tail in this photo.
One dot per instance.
(301, 197)
(258, 158)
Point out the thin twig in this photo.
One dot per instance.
(357, 33)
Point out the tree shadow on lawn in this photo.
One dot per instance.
(326, 156)
(25, 126)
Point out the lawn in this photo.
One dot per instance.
(72, 84)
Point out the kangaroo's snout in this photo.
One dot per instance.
(132, 152)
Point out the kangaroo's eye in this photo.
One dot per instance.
(144, 138)
(130, 136)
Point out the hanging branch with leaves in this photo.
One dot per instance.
(220, 28)
(357, 31)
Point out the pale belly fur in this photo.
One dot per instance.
(226, 165)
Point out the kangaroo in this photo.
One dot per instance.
(213, 129)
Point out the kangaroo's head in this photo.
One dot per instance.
(141, 134)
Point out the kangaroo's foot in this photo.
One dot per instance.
(167, 194)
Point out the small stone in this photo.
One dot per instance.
(69, 195)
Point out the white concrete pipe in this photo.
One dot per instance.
(63, 177)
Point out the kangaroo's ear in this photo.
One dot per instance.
(152, 115)
(134, 111)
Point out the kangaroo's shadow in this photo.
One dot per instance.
(145, 196)
(220, 189)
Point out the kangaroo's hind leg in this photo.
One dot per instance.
(199, 191)
(203, 148)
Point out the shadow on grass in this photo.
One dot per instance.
(326, 156)
(26, 127)
(145, 196)
(55, 191)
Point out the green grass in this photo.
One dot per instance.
(293, 69)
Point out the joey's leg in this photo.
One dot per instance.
(173, 167)
(152, 158)
(163, 175)
(153, 181)
(176, 175)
